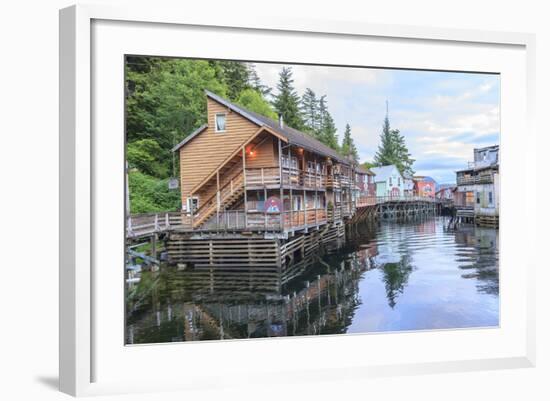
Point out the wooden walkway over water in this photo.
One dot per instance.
(144, 225)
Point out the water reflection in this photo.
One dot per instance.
(388, 276)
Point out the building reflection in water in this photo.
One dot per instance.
(320, 295)
(310, 298)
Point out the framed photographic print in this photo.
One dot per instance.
(341, 191)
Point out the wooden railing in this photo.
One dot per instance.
(259, 220)
(146, 224)
(345, 181)
(140, 225)
(405, 198)
(226, 220)
(475, 179)
(303, 179)
(302, 218)
(262, 177)
(332, 182)
(233, 187)
(291, 177)
(365, 200)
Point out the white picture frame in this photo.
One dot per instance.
(81, 212)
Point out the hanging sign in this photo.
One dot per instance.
(173, 183)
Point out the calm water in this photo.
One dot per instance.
(388, 277)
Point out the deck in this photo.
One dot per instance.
(293, 178)
(143, 225)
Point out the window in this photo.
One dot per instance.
(490, 197)
(298, 203)
(398, 181)
(294, 163)
(478, 198)
(192, 204)
(310, 167)
(390, 181)
(284, 160)
(220, 122)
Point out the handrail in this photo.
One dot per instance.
(209, 207)
(144, 224)
(216, 193)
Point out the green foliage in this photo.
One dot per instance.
(310, 111)
(368, 165)
(287, 101)
(145, 155)
(166, 101)
(348, 147)
(150, 194)
(253, 100)
(327, 132)
(396, 276)
(393, 150)
(235, 75)
(255, 82)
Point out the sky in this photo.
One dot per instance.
(442, 115)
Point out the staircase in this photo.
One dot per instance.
(228, 195)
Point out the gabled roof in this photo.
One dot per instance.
(292, 135)
(362, 170)
(190, 136)
(384, 172)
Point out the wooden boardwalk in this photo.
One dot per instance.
(144, 225)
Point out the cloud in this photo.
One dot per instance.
(321, 79)
(443, 116)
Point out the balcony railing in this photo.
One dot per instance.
(270, 177)
(475, 179)
(263, 177)
(365, 200)
(258, 220)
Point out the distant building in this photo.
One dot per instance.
(445, 193)
(478, 186)
(408, 187)
(389, 181)
(364, 181)
(424, 186)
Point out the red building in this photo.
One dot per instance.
(424, 186)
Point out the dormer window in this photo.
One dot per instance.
(220, 122)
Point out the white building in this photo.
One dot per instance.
(389, 181)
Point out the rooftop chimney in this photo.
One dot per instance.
(281, 122)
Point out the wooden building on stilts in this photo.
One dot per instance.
(257, 193)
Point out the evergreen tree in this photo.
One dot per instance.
(386, 150)
(348, 148)
(393, 150)
(287, 101)
(326, 131)
(255, 82)
(310, 111)
(405, 162)
(236, 76)
(322, 111)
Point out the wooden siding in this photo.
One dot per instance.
(205, 152)
(264, 155)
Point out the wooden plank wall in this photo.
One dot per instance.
(265, 154)
(204, 153)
